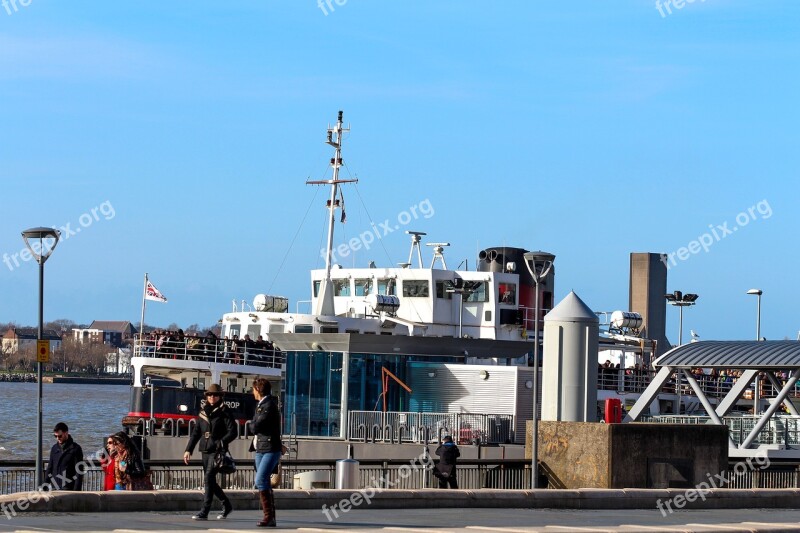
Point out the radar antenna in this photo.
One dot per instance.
(438, 249)
(416, 237)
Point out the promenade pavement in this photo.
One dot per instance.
(424, 520)
(425, 510)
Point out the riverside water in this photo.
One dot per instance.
(92, 412)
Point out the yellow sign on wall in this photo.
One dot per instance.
(43, 351)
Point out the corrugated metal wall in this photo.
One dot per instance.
(454, 388)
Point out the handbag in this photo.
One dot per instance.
(140, 483)
(276, 476)
(224, 463)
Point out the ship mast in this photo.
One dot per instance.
(325, 296)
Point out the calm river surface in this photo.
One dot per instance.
(91, 412)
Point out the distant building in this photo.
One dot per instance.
(119, 362)
(16, 338)
(115, 333)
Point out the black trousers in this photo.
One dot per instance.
(212, 487)
(448, 478)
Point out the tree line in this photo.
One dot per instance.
(73, 355)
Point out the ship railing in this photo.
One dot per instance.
(424, 428)
(527, 318)
(204, 349)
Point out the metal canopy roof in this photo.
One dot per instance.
(733, 354)
(399, 344)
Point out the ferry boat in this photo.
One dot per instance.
(386, 354)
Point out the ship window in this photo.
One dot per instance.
(479, 293)
(441, 289)
(234, 329)
(304, 328)
(363, 286)
(341, 287)
(316, 288)
(415, 288)
(507, 293)
(276, 328)
(387, 287)
(329, 329)
(254, 331)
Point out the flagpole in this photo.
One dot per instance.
(144, 304)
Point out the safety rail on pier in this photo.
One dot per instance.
(466, 428)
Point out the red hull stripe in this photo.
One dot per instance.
(168, 416)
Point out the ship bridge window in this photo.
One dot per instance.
(341, 287)
(441, 289)
(387, 287)
(254, 331)
(329, 329)
(363, 286)
(479, 292)
(415, 288)
(304, 328)
(234, 329)
(276, 328)
(507, 293)
(316, 288)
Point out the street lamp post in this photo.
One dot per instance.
(758, 293)
(41, 242)
(680, 300)
(539, 265)
(756, 395)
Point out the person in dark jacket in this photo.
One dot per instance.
(65, 456)
(446, 468)
(214, 430)
(266, 428)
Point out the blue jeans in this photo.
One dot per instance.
(265, 464)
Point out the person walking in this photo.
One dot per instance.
(129, 469)
(65, 456)
(215, 429)
(446, 468)
(266, 428)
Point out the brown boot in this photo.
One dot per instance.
(266, 506)
(272, 507)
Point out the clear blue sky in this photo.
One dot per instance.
(588, 129)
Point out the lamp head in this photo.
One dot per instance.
(539, 263)
(757, 292)
(48, 239)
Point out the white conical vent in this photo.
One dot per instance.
(571, 309)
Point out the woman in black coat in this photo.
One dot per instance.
(266, 428)
(214, 430)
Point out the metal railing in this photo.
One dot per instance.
(396, 474)
(781, 430)
(206, 349)
(423, 428)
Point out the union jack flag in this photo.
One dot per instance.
(151, 293)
